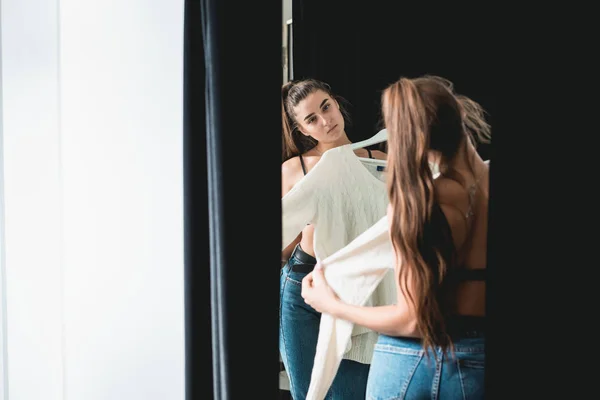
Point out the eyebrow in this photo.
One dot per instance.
(311, 114)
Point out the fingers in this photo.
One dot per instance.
(307, 283)
(318, 276)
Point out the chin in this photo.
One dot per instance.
(335, 134)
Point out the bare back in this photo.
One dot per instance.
(466, 209)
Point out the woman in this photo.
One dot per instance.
(438, 230)
(313, 124)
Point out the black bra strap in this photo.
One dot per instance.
(302, 162)
(370, 155)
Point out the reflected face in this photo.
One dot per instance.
(319, 116)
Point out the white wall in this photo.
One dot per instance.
(3, 326)
(31, 199)
(92, 132)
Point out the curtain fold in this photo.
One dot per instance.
(198, 313)
(234, 183)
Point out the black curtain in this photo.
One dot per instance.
(233, 74)
(198, 346)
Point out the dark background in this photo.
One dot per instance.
(360, 48)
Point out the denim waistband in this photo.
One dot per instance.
(461, 344)
(302, 256)
(300, 261)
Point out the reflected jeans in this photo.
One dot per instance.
(298, 334)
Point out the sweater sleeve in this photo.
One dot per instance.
(353, 273)
(298, 208)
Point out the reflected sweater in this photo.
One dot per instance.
(343, 195)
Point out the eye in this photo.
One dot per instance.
(326, 107)
(310, 120)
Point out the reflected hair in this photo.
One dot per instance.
(292, 93)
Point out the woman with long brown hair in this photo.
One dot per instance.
(323, 213)
(431, 342)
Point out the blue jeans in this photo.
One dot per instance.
(298, 334)
(400, 370)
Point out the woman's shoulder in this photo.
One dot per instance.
(292, 170)
(291, 173)
(291, 165)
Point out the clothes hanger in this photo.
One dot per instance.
(379, 137)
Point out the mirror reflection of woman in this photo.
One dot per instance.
(314, 122)
(431, 343)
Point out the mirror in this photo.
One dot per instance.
(359, 50)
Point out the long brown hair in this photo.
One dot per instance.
(292, 93)
(425, 114)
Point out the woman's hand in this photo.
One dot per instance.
(317, 293)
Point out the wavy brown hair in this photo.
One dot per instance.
(425, 114)
(295, 142)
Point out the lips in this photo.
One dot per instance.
(335, 126)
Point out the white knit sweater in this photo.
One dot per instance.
(355, 272)
(342, 196)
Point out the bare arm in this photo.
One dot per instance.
(290, 175)
(393, 320)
